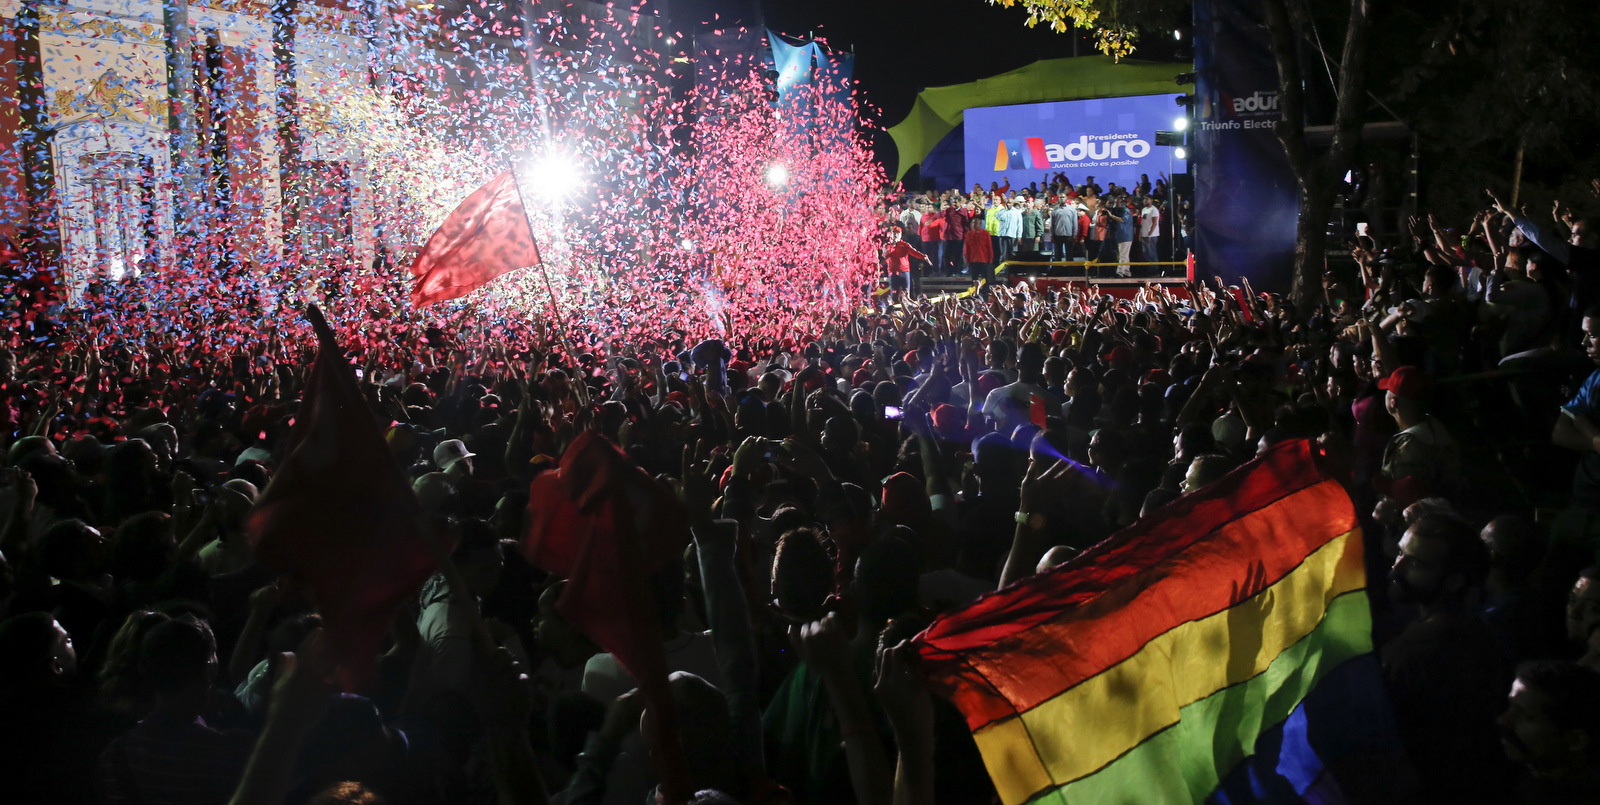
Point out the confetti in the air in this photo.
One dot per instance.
(666, 194)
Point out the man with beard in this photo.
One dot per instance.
(1446, 672)
(1551, 727)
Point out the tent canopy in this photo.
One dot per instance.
(938, 110)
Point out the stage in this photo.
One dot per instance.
(1064, 275)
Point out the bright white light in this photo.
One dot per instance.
(686, 244)
(553, 177)
(1181, 123)
(1180, 152)
(777, 174)
(1177, 34)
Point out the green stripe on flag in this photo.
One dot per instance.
(1184, 763)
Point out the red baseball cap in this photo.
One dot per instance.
(1407, 383)
(949, 420)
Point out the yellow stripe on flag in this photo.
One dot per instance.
(1082, 729)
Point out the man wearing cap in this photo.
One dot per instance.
(1421, 459)
(453, 459)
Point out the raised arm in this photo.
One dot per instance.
(727, 608)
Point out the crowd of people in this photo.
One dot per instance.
(951, 233)
(843, 489)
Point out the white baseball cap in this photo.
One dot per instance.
(448, 452)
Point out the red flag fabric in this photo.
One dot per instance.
(1036, 411)
(606, 526)
(485, 237)
(339, 516)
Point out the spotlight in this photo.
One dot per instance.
(1181, 124)
(553, 177)
(686, 244)
(1177, 35)
(777, 175)
(1180, 153)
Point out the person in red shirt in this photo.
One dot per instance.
(979, 249)
(931, 230)
(897, 259)
(955, 236)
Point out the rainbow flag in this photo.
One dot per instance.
(1218, 651)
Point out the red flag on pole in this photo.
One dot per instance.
(339, 516)
(485, 237)
(607, 527)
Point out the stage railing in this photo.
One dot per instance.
(999, 269)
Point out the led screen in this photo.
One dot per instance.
(1111, 139)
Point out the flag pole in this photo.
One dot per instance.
(549, 287)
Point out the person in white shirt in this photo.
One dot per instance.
(1011, 405)
(1149, 229)
(446, 621)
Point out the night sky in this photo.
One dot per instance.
(903, 46)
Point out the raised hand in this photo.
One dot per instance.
(901, 690)
(1048, 484)
(1498, 206)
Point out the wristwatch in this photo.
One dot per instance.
(1033, 520)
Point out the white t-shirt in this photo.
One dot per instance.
(1149, 220)
(1011, 405)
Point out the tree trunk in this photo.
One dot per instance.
(1310, 248)
(1317, 176)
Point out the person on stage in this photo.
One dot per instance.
(897, 260)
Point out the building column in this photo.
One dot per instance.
(43, 235)
(284, 23)
(188, 163)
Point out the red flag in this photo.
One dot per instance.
(339, 516)
(485, 237)
(1036, 411)
(607, 526)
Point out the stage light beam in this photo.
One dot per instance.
(1181, 124)
(777, 175)
(554, 177)
(1180, 152)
